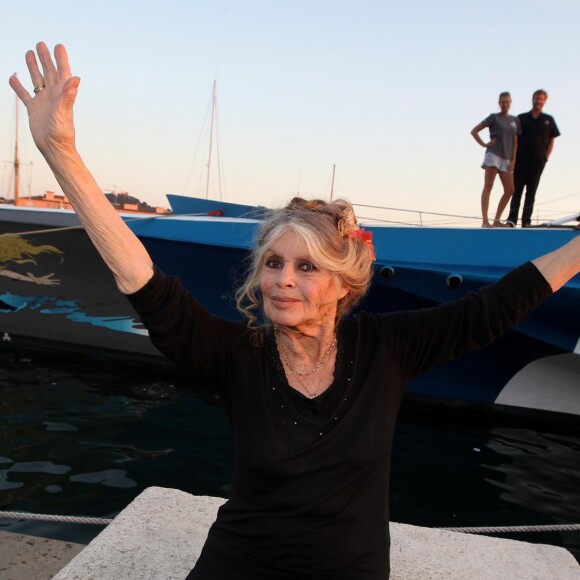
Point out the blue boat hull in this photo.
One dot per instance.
(536, 365)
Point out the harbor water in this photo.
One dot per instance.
(83, 435)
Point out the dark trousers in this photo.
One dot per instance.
(527, 174)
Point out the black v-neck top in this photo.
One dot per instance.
(310, 485)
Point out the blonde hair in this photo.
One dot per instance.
(326, 228)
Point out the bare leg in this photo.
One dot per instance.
(507, 180)
(489, 178)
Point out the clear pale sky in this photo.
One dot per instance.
(386, 91)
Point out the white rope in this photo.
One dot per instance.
(466, 530)
(52, 518)
(517, 529)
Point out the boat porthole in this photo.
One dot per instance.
(387, 272)
(454, 281)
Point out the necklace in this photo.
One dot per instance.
(308, 393)
(299, 375)
(317, 367)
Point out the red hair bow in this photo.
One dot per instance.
(366, 238)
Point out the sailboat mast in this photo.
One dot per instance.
(332, 185)
(213, 103)
(16, 162)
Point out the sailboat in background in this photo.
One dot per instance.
(197, 205)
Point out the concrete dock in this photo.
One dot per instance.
(31, 558)
(160, 534)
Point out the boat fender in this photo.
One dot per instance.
(387, 272)
(454, 281)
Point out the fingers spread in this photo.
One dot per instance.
(51, 75)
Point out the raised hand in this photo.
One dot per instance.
(50, 112)
(50, 109)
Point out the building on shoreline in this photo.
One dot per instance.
(121, 201)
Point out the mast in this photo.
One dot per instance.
(332, 185)
(16, 162)
(213, 114)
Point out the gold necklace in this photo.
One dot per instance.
(299, 375)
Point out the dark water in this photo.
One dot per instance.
(84, 435)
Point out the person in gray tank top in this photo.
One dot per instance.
(500, 156)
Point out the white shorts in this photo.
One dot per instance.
(493, 160)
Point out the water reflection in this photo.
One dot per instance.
(537, 469)
(476, 470)
(83, 435)
(108, 478)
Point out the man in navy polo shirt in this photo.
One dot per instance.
(535, 146)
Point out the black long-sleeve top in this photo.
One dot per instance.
(310, 485)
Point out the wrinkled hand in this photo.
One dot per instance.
(50, 110)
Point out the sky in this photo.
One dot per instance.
(382, 95)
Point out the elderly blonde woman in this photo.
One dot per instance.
(312, 395)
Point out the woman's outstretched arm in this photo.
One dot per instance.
(50, 113)
(560, 265)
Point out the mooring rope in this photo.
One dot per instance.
(53, 518)
(517, 529)
(466, 530)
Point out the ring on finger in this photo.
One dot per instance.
(38, 89)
